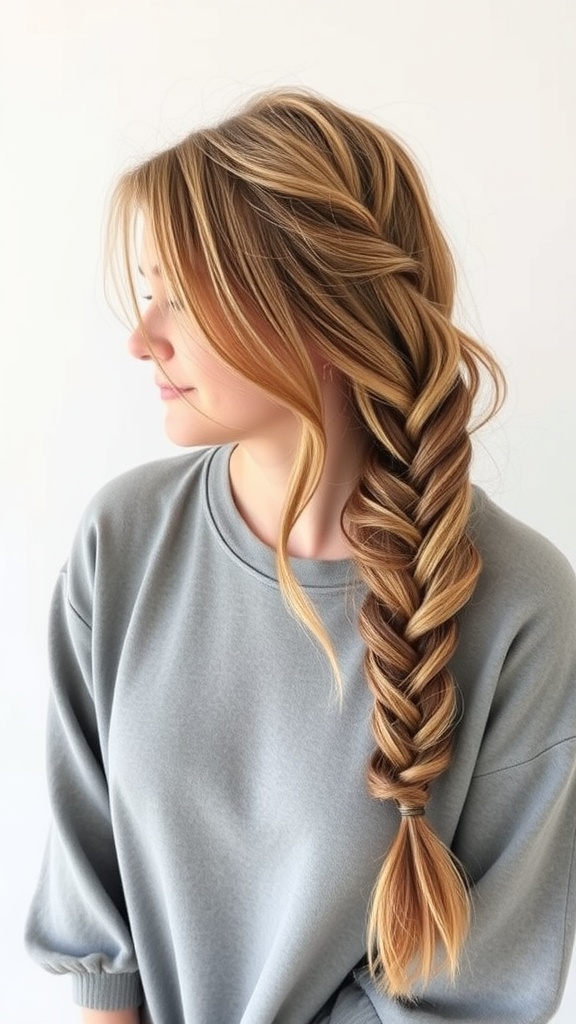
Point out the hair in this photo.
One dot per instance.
(316, 220)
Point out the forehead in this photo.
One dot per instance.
(148, 264)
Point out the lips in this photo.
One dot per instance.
(168, 391)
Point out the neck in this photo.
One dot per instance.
(260, 471)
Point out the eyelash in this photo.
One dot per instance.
(172, 302)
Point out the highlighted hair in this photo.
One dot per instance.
(300, 215)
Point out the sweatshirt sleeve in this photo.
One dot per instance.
(77, 922)
(515, 836)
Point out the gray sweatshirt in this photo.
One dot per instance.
(213, 846)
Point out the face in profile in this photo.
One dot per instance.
(206, 401)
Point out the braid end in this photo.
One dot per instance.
(420, 911)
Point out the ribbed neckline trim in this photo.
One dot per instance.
(243, 545)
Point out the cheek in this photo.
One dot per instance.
(213, 372)
(244, 402)
(229, 396)
(224, 385)
(226, 388)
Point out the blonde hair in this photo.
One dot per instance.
(299, 213)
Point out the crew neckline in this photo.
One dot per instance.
(246, 548)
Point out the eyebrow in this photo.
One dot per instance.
(154, 270)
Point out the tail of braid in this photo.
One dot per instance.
(406, 522)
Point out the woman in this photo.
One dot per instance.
(241, 632)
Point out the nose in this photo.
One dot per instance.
(148, 343)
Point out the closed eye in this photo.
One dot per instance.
(172, 303)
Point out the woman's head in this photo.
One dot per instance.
(296, 235)
(295, 229)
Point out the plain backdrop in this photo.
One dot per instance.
(483, 93)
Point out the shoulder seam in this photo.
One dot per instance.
(528, 760)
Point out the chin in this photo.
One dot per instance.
(197, 440)
(200, 436)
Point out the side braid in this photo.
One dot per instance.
(406, 523)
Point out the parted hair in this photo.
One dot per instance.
(296, 213)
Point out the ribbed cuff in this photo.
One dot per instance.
(107, 991)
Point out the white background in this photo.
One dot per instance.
(482, 92)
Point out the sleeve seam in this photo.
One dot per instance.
(528, 760)
(78, 615)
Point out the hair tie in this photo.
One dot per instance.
(411, 812)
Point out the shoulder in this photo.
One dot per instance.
(147, 488)
(516, 658)
(521, 569)
(131, 516)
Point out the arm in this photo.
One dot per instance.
(77, 922)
